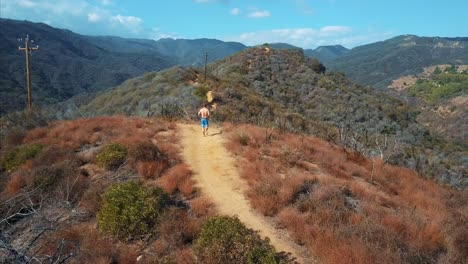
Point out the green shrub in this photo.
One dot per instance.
(130, 210)
(201, 91)
(225, 239)
(112, 156)
(18, 156)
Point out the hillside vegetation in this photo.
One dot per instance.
(441, 85)
(60, 204)
(68, 64)
(63, 203)
(288, 91)
(379, 63)
(346, 208)
(441, 94)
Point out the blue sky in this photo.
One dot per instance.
(304, 23)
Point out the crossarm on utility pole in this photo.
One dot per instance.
(26, 50)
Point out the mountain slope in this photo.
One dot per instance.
(326, 54)
(335, 205)
(183, 51)
(65, 65)
(379, 63)
(284, 89)
(441, 94)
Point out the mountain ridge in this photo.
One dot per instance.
(285, 89)
(66, 64)
(377, 64)
(108, 60)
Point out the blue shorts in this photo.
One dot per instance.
(204, 122)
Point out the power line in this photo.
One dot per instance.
(44, 93)
(206, 61)
(27, 50)
(58, 101)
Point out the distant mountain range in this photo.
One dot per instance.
(182, 51)
(68, 64)
(325, 54)
(379, 63)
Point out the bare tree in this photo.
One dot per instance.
(387, 148)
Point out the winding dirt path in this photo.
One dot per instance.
(219, 179)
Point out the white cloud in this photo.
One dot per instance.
(157, 34)
(310, 37)
(75, 8)
(27, 3)
(94, 17)
(127, 20)
(259, 14)
(130, 26)
(46, 7)
(235, 11)
(334, 30)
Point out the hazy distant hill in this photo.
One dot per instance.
(184, 51)
(379, 63)
(280, 45)
(282, 88)
(65, 65)
(326, 54)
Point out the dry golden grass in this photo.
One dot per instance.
(178, 228)
(347, 213)
(178, 178)
(202, 207)
(78, 133)
(152, 169)
(185, 256)
(14, 185)
(83, 238)
(153, 153)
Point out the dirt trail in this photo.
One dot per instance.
(218, 178)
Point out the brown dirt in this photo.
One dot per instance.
(218, 178)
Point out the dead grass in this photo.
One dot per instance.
(14, 185)
(92, 200)
(82, 238)
(78, 133)
(152, 169)
(332, 202)
(178, 228)
(202, 207)
(69, 150)
(178, 178)
(185, 256)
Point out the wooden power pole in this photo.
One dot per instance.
(27, 50)
(206, 61)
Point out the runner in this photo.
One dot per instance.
(204, 113)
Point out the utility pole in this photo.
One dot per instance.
(206, 61)
(27, 49)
